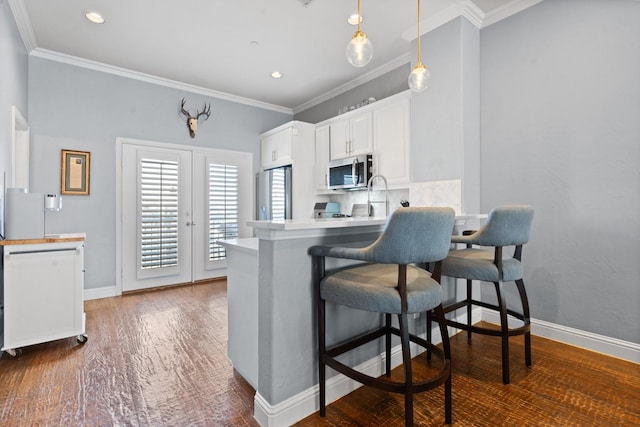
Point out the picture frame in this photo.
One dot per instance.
(75, 172)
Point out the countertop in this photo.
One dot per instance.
(307, 227)
(323, 223)
(49, 238)
(319, 223)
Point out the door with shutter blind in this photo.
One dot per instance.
(156, 217)
(176, 205)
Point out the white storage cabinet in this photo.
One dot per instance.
(322, 157)
(43, 292)
(276, 148)
(391, 136)
(351, 136)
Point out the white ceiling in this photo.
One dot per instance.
(207, 43)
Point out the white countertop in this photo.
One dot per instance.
(306, 227)
(248, 244)
(319, 223)
(324, 223)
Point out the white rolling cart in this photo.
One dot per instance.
(43, 282)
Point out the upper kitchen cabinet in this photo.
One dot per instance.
(351, 136)
(323, 139)
(276, 147)
(391, 136)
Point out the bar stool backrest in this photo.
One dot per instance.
(505, 226)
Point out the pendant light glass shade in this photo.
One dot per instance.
(360, 48)
(419, 77)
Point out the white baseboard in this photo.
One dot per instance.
(307, 402)
(97, 293)
(599, 343)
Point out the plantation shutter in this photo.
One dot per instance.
(223, 207)
(158, 214)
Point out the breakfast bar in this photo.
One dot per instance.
(272, 325)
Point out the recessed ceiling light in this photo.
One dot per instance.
(276, 75)
(94, 17)
(353, 19)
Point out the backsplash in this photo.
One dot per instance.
(349, 198)
(437, 193)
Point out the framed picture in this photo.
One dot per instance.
(76, 166)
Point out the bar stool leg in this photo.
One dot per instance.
(387, 318)
(469, 307)
(504, 329)
(321, 351)
(408, 375)
(446, 347)
(527, 321)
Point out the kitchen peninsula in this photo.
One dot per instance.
(272, 325)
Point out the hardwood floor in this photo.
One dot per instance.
(159, 359)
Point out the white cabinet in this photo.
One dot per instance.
(391, 135)
(43, 291)
(351, 136)
(323, 139)
(293, 144)
(276, 148)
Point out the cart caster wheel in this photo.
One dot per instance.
(14, 353)
(82, 339)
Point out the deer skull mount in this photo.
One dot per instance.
(192, 121)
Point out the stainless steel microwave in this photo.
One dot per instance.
(349, 173)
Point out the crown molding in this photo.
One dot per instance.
(148, 78)
(21, 17)
(468, 10)
(507, 10)
(367, 77)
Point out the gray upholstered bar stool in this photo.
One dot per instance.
(388, 283)
(506, 226)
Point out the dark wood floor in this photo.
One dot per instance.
(159, 359)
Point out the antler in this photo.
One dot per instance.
(182, 110)
(206, 112)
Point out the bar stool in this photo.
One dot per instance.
(389, 284)
(505, 226)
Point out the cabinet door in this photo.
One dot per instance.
(276, 149)
(43, 293)
(323, 139)
(361, 141)
(391, 135)
(339, 137)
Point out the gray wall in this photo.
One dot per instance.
(13, 83)
(393, 82)
(561, 132)
(81, 109)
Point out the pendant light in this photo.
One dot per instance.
(419, 77)
(360, 48)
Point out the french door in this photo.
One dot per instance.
(176, 205)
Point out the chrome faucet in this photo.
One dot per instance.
(386, 195)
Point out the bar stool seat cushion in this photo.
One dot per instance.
(477, 264)
(373, 287)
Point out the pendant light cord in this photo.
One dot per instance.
(419, 35)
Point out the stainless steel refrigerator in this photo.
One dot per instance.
(273, 194)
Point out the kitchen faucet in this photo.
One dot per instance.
(386, 195)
